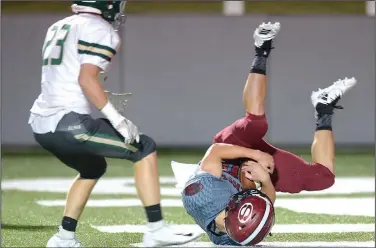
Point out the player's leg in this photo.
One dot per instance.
(98, 137)
(322, 149)
(147, 185)
(292, 174)
(253, 126)
(324, 101)
(90, 169)
(255, 88)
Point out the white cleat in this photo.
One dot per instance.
(166, 236)
(63, 238)
(266, 32)
(331, 94)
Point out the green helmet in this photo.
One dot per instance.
(112, 11)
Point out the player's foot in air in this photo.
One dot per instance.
(264, 36)
(63, 238)
(166, 236)
(325, 100)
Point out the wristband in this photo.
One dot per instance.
(111, 113)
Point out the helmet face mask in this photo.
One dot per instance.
(249, 217)
(111, 11)
(120, 17)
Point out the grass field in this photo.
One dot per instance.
(34, 186)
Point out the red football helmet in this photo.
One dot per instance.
(249, 217)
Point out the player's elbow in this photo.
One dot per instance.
(220, 150)
(211, 162)
(213, 149)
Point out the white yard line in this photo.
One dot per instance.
(126, 186)
(361, 206)
(278, 228)
(113, 203)
(285, 244)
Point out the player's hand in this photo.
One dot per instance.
(256, 172)
(128, 130)
(266, 160)
(124, 126)
(133, 129)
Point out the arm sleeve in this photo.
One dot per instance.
(98, 47)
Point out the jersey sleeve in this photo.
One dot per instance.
(98, 47)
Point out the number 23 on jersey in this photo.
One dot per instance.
(57, 41)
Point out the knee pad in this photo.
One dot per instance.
(147, 147)
(94, 171)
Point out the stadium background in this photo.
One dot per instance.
(185, 63)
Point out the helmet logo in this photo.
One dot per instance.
(245, 213)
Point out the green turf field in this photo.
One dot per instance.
(31, 209)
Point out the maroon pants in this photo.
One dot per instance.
(292, 174)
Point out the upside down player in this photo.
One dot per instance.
(209, 191)
(76, 50)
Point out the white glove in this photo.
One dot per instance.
(124, 126)
(128, 130)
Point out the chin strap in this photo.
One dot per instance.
(215, 230)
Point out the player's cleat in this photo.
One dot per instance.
(326, 99)
(265, 34)
(63, 238)
(166, 236)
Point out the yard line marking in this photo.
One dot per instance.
(108, 186)
(348, 206)
(285, 244)
(113, 203)
(362, 206)
(126, 185)
(278, 228)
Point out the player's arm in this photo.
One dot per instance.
(212, 161)
(92, 88)
(255, 171)
(91, 66)
(96, 47)
(268, 189)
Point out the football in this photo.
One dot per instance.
(247, 183)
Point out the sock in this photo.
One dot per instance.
(324, 116)
(69, 224)
(324, 122)
(259, 65)
(259, 62)
(154, 213)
